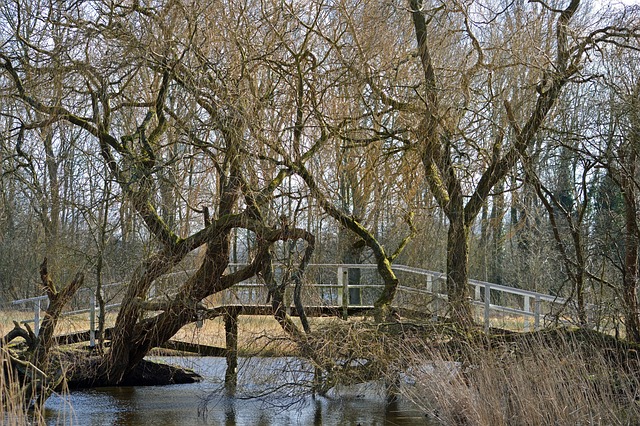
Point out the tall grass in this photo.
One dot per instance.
(561, 381)
(22, 399)
(13, 409)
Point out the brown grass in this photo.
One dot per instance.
(13, 411)
(257, 335)
(541, 382)
(8, 316)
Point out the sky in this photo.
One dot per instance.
(627, 2)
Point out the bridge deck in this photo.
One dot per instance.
(310, 311)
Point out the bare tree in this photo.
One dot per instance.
(443, 136)
(163, 79)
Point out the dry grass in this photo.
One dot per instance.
(66, 324)
(8, 316)
(257, 335)
(541, 382)
(13, 410)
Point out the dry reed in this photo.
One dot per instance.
(13, 409)
(537, 382)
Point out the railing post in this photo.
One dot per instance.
(487, 305)
(339, 277)
(536, 314)
(430, 283)
(436, 299)
(343, 290)
(527, 308)
(36, 318)
(476, 287)
(92, 320)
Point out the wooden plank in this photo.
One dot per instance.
(204, 350)
(81, 336)
(311, 311)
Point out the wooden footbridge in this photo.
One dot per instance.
(337, 290)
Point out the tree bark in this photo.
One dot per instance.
(57, 301)
(630, 279)
(457, 273)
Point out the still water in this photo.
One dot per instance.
(268, 394)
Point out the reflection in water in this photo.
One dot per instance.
(229, 415)
(205, 403)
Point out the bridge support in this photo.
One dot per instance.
(231, 336)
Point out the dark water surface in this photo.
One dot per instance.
(206, 403)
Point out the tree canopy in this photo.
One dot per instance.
(491, 139)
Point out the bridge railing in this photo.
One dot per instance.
(489, 297)
(341, 286)
(422, 291)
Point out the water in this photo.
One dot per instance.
(276, 380)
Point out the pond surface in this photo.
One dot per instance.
(268, 394)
